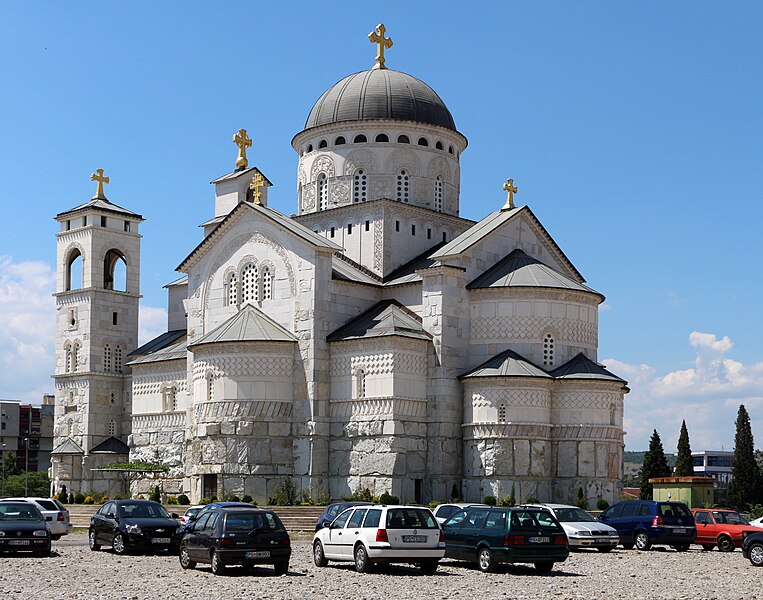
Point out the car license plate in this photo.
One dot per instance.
(679, 530)
(539, 540)
(602, 540)
(160, 540)
(18, 542)
(414, 538)
(262, 554)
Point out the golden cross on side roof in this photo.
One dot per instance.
(377, 37)
(258, 181)
(243, 142)
(98, 176)
(511, 189)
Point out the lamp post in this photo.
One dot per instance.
(26, 467)
(2, 457)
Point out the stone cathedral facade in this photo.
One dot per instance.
(375, 339)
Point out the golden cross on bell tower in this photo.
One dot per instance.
(377, 37)
(511, 189)
(258, 181)
(98, 176)
(243, 142)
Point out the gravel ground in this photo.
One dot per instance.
(75, 572)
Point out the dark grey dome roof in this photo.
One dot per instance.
(380, 94)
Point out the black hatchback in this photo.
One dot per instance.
(235, 536)
(133, 525)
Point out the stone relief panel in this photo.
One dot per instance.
(532, 328)
(308, 196)
(339, 190)
(361, 159)
(381, 186)
(323, 164)
(403, 159)
(438, 166)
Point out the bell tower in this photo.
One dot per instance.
(97, 296)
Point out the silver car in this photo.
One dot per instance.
(583, 531)
(442, 512)
(56, 515)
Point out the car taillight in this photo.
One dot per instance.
(226, 542)
(442, 535)
(286, 541)
(60, 517)
(513, 540)
(560, 540)
(381, 535)
(657, 522)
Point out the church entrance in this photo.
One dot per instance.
(209, 485)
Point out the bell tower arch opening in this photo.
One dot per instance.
(74, 270)
(115, 271)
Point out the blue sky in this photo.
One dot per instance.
(633, 130)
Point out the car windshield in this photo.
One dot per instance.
(521, 519)
(19, 511)
(410, 518)
(191, 512)
(730, 518)
(142, 510)
(445, 511)
(252, 521)
(573, 515)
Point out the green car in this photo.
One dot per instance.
(489, 536)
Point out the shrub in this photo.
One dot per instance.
(602, 504)
(506, 501)
(184, 500)
(118, 497)
(362, 495)
(489, 500)
(253, 503)
(246, 498)
(204, 501)
(582, 501)
(172, 500)
(213, 499)
(103, 500)
(305, 499)
(286, 494)
(386, 498)
(79, 498)
(533, 500)
(433, 504)
(234, 498)
(141, 497)
(324, 498)
(63, 497)
(156, 495)
(89, 500)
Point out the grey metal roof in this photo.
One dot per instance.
(68, 446)
(175, 351)
(380, 94)
(518, 269)
(161, 341)
(249, 324)
(407, 273)
(111, 446)
(178, 282)
(100, 204)
(343, 270)
(507, 364)
(386, 318)
(236, 174)
(582, 367)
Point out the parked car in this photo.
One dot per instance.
(489, 536)
(54, 512)
(23, 529)
(133, 525)
(333, 509)
(205, 508)
(644, 523)
(722, 527)
(381, 534)
(752, 548)
(442, 512)
(236, 536)
(757, 522)
(190, 514)
(583, 531)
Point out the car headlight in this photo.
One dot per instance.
(40, 533)
(132, 528)
(582, 533)
(2, 534)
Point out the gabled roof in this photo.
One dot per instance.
(178, 282)
(344, 270)
(68, 446)
(582, 367)
(236, 174)
(291, 225)
(491, 223)
(175, 351)
(407, 273)
(518, 269)
(111, 446)
(386, 318)
(507, 364)
(100, 204)
(249, 324)
(159, 342)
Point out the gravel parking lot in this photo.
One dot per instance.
(76, 572)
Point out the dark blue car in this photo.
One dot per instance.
(644, 523)
(332, 510)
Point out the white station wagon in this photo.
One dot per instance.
(381, 534)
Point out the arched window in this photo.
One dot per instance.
(232, 290)
(107, 358)
(309, 147)
(438, 145)
(403, 185)
(75, 358)
(249, 288)
(359, 139)
(267, 283)
(115, 271)
(450, 149)
(74, 266)
(360, 186)
(423, 141)
(382, 137)
(67, 357)
(210, 387)
(112, 428)
(612, 414)
(118, 359)
(548, 350)
(113, 398)
(360, 383)
(438, 193)
(323, 192)
(501, 413)
(403, 139)
(339, 141)
(322, 144)
(170, 400)
(72, 431)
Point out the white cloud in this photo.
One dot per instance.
(707, 395)
(152, 322)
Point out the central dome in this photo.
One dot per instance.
(380, 94)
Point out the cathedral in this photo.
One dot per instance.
(375, 339)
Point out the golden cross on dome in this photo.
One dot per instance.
(377, 37)
(98, 176)
(258, 181)
(243, 142)
(511, 189)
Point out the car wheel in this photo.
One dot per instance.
(94, 546)
(485, 560)
(681, 547)
(218, 568)
(725, 544)
(319, 558)
(185, 558)
(608, 549)
(544, 567)
(362, 562)
(642, 541)
(119, 544)
(708, 547)
(281, 568)
(755, 553)
(428, 567)
(628, 546)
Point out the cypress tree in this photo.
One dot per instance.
(744, 488)
(684, 464)
(655, 465)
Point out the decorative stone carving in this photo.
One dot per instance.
(361, 159)
(323, 164)
(403, 158)
(438, 166)
(340, 191)
(308, 196)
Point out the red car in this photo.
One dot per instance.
(724, 528)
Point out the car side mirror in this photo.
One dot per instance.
(325, 523)
(111, 516)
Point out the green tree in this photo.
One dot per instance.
(684, 464)
(745, 486)
(37, 484)
(655, 465)
(9, 465)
